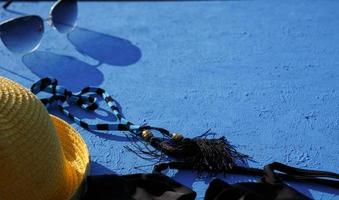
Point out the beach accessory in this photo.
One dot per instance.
(136, 187)
(274, 172)
(23, 34)
(41, 156)
(220, 190)
(205, 155)
(271, 185)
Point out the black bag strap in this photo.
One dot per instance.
(286, 172)
(274, 173)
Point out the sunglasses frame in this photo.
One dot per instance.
(19, 18)
(9, 2)
(14, 18)
(49, 19)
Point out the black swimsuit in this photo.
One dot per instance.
(136, 186)
(157, 186)
(220, 190)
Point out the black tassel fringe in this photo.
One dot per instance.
(203, 154)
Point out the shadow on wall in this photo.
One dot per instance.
(69, 71)
(104, 48)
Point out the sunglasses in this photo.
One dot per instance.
(23, 34)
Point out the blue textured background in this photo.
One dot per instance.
(263, 74)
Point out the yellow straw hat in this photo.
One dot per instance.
(41, 156)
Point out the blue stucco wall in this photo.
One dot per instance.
(265, 74)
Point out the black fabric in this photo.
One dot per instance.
(271, 185)
(136, 187)
(160, 187)
(220, 190)
(277, 172)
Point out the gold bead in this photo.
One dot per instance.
(146, 134)
(177, 137)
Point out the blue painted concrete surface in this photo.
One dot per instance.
(265, 74)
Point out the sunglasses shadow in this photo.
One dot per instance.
(72, 73)
(107, 135)
(104, 48)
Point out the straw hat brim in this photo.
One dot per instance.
(76, 156)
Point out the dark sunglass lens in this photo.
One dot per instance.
(64, 14)
(23, 34)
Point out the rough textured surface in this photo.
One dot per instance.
(264, 74)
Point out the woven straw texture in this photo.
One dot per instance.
(41, 156)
